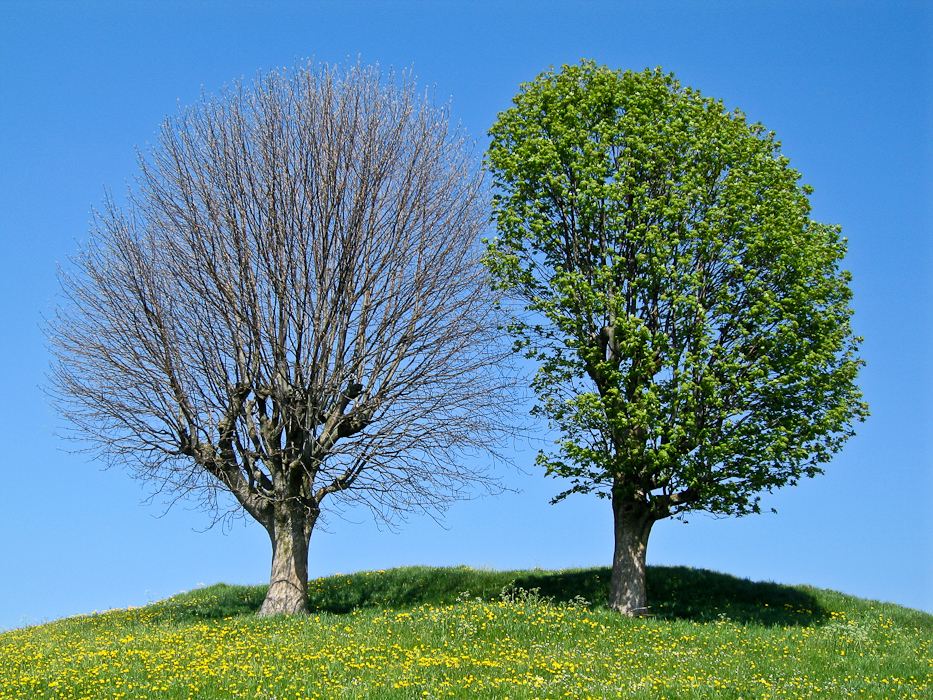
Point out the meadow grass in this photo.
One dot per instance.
(420, 633)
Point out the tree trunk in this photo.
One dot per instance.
(633, 521)
(290, 532)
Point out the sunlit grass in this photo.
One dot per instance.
(416, 633)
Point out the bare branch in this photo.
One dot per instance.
(291, 305)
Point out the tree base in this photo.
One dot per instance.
(284, 598)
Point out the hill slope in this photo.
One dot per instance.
(458, 633)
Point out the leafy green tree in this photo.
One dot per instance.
(690, 321)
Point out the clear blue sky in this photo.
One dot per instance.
(847, 86)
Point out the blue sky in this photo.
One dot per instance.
(847, 86)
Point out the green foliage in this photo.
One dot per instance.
(518, 634)
(690, 321)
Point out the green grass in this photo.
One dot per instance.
(416, 633)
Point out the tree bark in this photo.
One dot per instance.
(290, 532)
(633, 520)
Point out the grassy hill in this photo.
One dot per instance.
(458, 633)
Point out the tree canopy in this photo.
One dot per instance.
(691, 323)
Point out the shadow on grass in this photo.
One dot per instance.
(216, 602)
(682, 593)
(679, 592)
(403, 588)
(674, 593)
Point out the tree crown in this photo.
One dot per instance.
(691, 322)
(291, 305)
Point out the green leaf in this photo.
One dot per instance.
(691, 323)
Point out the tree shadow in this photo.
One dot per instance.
(679, 592)
(211, 603)
(682, 593)
(674, 593)
(401, 588)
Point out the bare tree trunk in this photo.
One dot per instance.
(290, 532)
(633, 520)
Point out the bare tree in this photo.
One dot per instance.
(291, 307)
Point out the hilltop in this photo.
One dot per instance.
(422, 632)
